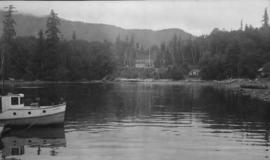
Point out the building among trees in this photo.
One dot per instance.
(265, 70)
(194, 72)
(144, 61)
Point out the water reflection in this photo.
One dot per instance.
(157, 121)
(228, 112)
(16, 141)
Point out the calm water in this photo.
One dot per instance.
(142, 121)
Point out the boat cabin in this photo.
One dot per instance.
(11, 101)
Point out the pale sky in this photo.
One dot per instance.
(194, 16)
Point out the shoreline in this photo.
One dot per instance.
(230, 84)
(262, 94)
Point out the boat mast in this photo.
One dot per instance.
(2, 72)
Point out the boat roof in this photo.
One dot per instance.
(13, 95)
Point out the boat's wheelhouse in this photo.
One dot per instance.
(11, 101)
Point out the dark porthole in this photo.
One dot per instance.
(44, 111)
(14, 113)
(29, 112)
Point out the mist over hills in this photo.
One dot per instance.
(29, 25)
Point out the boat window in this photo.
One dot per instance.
(21, 100)
(14, 100)
(15, 151)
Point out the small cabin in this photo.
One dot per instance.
(11, 101)
(194, 73)
(143, 63)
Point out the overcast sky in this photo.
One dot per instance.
(194, 16)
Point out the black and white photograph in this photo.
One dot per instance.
(135, 80)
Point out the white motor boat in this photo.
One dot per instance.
(14, 112)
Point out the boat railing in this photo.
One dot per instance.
(36, 104)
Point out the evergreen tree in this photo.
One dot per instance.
(41, 38)
(180, 56)
(7, 38)
(74, 37)
(241, 25)
(232, 59)
(38, 63)
(52, 29)
(9, 32)
(132, 56)
(174, 49)
(52, 59)
(265, 19)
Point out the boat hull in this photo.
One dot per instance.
(39, 116)
(57, 118)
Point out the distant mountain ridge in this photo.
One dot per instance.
(29, 25)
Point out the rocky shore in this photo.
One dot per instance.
(259, 89)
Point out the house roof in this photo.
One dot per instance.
(13, 95)
(266, 67)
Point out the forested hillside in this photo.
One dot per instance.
(28, 25)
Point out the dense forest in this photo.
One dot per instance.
(48, 56)
(221, 54)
